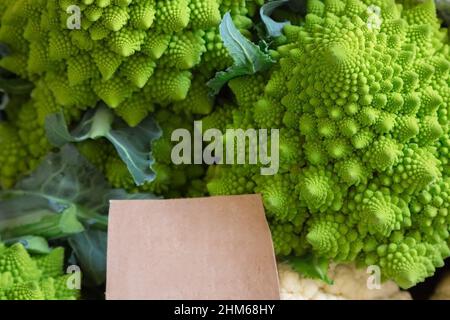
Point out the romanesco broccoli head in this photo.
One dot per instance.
(13, 155)
(129, 54)
(26, 277)
(23, 142)
(138, 57)
(361, 93)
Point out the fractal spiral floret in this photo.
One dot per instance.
(359, 91)
(129, 54)
(41, 277)
(364, 85)
(137, 57)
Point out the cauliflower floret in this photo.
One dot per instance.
(349, 284)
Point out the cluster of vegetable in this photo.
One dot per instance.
(135, 57)
(88, 109)
(363, 110)
(92, 90)
(38, 277)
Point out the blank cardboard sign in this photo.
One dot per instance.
(206, 248)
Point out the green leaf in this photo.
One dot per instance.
(57, 131)
(50, 226)
(133, 145)
(64, 180)
(33, 244)
(273, 28)
(311, 267)
(66, 197)
(96, 123)
(90, 250)
(248, 58)
(16, 86)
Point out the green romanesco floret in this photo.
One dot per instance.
(51, 264)
(220, 118)
(198, 100)
(138, 57)
(229, 180)
(23, 142)
(286, 238)
(367, 97)
(129, 54)
(13, 156)
(247, 89)
(96, 152)
(41, 277)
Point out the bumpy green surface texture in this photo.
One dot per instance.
(22, 142)
(140, 57)
(129, 54)
(23, 277)
(363, 103)
(122, 48)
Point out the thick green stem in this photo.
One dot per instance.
(53, 226)
(33, 244)
(101, 123)
(93, 219)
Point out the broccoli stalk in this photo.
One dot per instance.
(45, 224)
(101, 123)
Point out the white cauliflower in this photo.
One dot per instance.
(350, 283)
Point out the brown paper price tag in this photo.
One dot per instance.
(206, 248)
